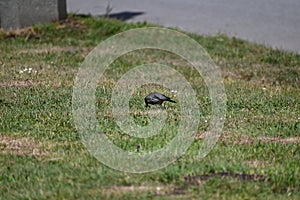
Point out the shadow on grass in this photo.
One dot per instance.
(123, 16)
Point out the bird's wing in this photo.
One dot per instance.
(153, 99)
(161, 96)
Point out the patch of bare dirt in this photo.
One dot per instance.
(21, 146)
(278, 139)
(265, 139)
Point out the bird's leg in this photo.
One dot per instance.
(138, 147)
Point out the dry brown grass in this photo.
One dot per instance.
(160, 190)
(239, 139)
(57, 49)
(32, 32)
(29, 32)
(20, 83)
(23, 146)
(256, 163)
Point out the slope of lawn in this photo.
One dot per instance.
(42, 157)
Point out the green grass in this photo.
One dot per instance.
(42, 156)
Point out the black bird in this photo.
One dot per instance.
(157, 98)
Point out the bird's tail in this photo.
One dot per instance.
(171, 100)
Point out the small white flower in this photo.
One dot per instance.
(205, 121)
(264, 88)
(21, 72)
(25, 69)
(174, 91)
(29, 69)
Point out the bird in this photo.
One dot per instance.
(157, 98)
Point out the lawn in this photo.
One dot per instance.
(42, 156)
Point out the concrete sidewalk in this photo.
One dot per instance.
(271, 22)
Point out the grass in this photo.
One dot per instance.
(42, 157)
